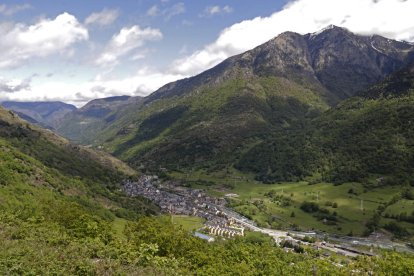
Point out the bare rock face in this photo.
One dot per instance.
(346, 63)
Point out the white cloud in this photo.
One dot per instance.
(141, 83)
(175, 10)
(167, 12)
(20, 42)
(14, 85)
(390, 18)
(153, 11)
(10, 10)
(103, 18)
(215, 10)
(127, 40)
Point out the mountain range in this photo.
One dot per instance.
(231, 115)
(45, 114)
(283, 111)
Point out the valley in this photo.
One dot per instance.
(295, 157)
(223, 215)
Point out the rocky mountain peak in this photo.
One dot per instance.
(333, 59)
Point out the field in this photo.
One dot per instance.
(188, 223)
(350, 205)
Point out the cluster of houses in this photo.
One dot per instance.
(174, 199)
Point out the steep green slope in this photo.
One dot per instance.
(372, 134)
(213, 126)
(361, 137)
(57, 198)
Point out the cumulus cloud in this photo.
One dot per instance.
(10, 10)
(124, 42)
(216, 10)
(103, 18)
(20, 42)
(390, 18)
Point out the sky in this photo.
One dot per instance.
(75, 51)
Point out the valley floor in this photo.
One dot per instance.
(342, 209)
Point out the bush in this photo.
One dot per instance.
(397, 230)
(309, 207)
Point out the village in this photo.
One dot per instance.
(179, 200)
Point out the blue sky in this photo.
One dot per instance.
(75, 51)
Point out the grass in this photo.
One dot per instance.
(188, 223)
(118, 225)
(401, 206)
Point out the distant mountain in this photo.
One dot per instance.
(83, 124)
(46, 114)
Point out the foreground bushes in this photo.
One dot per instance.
(154, 246)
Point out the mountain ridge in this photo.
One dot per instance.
(45, 114)
(306, 61)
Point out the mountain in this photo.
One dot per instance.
(400, 83)
(372, 133)
(83, 124)
(334, 58)
(34, 156)
(221, 117)
(46, 114)
(59, 197)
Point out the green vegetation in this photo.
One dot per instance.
(340, 209)
(57, 218)
(346, 169)
(36, 245)
(188, 223)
